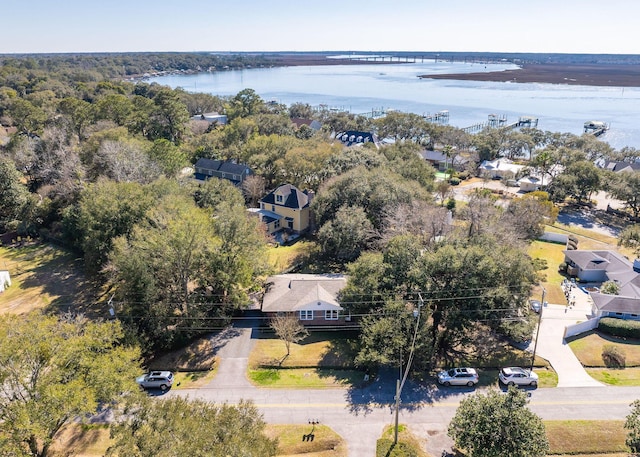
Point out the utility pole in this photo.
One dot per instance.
(535, 345)
(400, 384)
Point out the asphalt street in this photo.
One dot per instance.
(360, 414)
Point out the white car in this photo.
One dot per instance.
(156, 380)
(458, 377)
(516, 376)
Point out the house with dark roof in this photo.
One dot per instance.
(311, 123)
(601, 266)
(621, 166)
(356, 138)
(286, 209)
(312, 297)
(441, 162)
(221, 169)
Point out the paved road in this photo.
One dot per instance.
(359, 415)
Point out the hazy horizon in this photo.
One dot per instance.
(501, 26)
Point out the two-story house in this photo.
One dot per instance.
(221, 169)
(285, 209)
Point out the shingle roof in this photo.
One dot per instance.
(292, 197)
(295, 292)
(621, 166)
(222, 165)
(609, 261)
(616, 303)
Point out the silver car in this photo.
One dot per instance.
(458, 377)
(516, 376)
(156, 380)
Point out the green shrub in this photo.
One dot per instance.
(619, 327)
(613, 356)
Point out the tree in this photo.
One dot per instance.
(632, 424)
(244, 103)
(253, 188)
(626, 187)
(178, 426)
(610, 287)
(289, 329)
(630, 238)
(13, 194)
(54, 371)
(496, 424)
(346, 235)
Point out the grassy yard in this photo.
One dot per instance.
(295, 440)
(588, 348)
(81, 440)
(44, 276)
(281, 258)
(585, 437)
(552, 253)
(408, 444)
(323, 359)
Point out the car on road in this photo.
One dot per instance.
(536, 306)
(516, 376)
(155, 380)
(458, 377)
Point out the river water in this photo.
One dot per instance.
(361, 88)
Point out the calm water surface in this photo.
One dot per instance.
(361, 88)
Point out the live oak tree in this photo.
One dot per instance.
(496, 424)
(177, 426)
(54, 371)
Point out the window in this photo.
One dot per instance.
(306, 315)
(276, 224)
(273, 208)
(331, 315)
(279, 198)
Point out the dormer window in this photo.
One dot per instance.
(278, 198)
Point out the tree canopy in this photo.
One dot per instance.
(55, 370)
(496, 424)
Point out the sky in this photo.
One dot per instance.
(563, 26)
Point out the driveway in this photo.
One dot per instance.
(553, 347)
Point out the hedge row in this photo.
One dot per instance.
(619, 327)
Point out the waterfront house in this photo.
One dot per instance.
(357, 138)
(499, 168)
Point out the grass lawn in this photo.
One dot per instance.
(294, 440)
(579, 437)
(408, 444)
(588, 348)
(82, 440)
(552, 253)
(323, 359)
(281, 258)
(44, 276)
(192, 379)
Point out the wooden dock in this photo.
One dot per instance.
(495, 121)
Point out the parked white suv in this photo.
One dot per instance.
(156, 380)
(512, 376)
(458, 377)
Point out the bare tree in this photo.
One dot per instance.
(289, 329)
(253, 187)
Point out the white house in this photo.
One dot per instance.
(499, 168)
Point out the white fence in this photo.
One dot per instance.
(555, 237)
(577, 329)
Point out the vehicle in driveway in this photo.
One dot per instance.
(536, 306)
(156, 380)
(458, 377)
(516, 376)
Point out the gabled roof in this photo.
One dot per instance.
(222, 166)
(617, 167)
(500, 165)
(292, 197)
(299, 121)
(295, 292)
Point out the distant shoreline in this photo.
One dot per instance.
(573, 74)
(600, 74)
